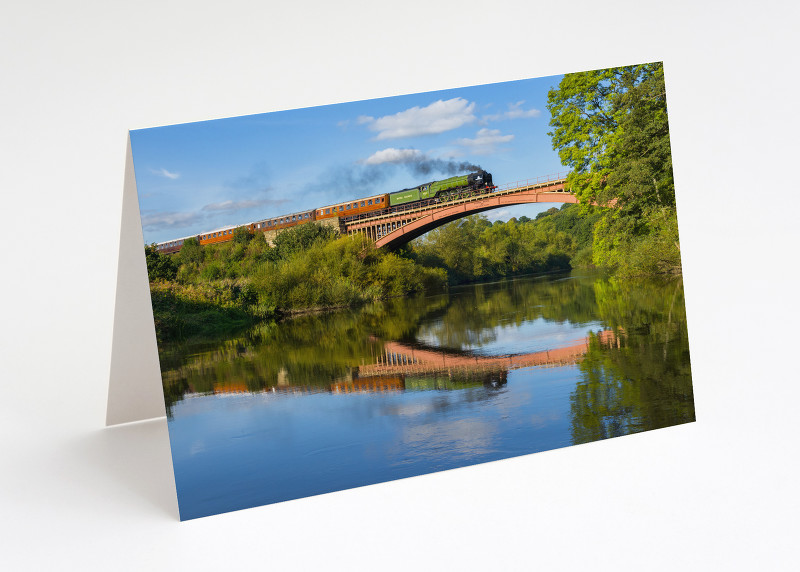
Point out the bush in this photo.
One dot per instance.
(159, 266)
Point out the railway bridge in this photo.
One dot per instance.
(405, 224)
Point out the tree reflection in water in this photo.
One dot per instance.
(643, 381)
(640, 380)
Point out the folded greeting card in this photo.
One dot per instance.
(355, 293)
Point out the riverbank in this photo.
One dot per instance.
(208, 290)
(204, 290)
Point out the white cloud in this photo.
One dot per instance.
(500, 214)
(485, 141)
(392, 155)
(438, 117)
(164, 173)
(233, 206)
(515, 111)
(162, 220)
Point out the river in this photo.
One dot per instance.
(405, 387)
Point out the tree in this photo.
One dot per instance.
(605, 119)
(242, 235)
(301, 237)
(543, 214)
(192, 252)
(610, 127)
(159, 266)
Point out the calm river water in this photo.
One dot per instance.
(411, 386)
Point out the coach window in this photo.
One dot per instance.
(348, 207)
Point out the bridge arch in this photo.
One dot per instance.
(396, 229)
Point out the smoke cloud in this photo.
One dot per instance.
(417, 162)
(448, 167)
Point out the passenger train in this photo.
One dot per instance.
(435, 192)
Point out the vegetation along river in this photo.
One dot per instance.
(410, 386)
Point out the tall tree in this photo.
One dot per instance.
(610, 127)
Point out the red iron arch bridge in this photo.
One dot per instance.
(405, 223)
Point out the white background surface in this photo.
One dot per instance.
(719, 494)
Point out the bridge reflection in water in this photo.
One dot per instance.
(403, 367)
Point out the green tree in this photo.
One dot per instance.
(192, 252)
(159, 266)
(610, 127)
(242, 235)
(302, 237)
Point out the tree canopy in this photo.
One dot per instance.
(610, 128)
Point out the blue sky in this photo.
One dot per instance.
(198, 177)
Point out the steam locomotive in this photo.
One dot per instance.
(434, 192)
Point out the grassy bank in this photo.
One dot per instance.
(208, 290)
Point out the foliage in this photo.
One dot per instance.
(200, 309)
(238, 282)
(191, 252)
(610, 127)
(242, 235)
(302, 237)
(642, 380)
(472, 249)
(159, 266)
(341, 272)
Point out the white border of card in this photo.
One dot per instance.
(134, 388)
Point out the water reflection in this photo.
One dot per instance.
(409, 386)
(515, 317)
